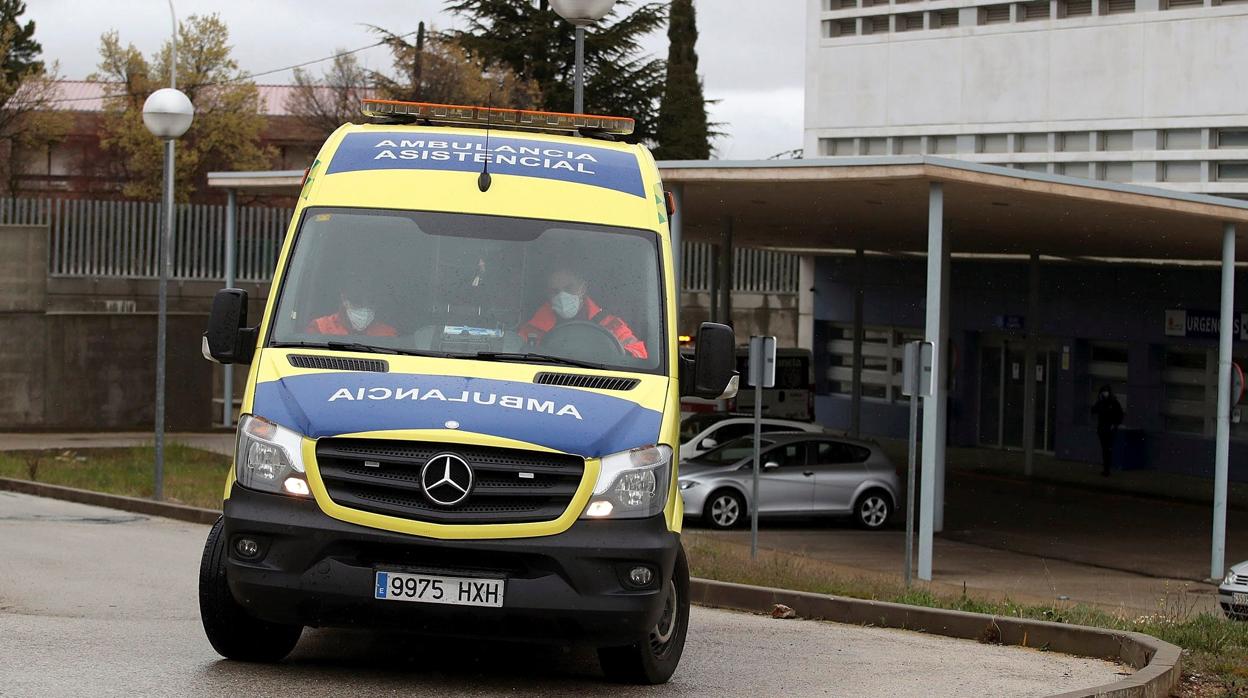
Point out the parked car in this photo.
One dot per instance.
(1233, 593)
(700, 433)
(801, 474)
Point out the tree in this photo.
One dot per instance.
(228, 123)
(437, 68)
(29, 119)
(683, 131)
(538, 45)
(328, 102)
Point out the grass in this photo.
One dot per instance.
(1215, 649)
(192, 476)
(1215, 661)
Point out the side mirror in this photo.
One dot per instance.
(770, 465)
(228, 339)
(708, 443)
(712, 373)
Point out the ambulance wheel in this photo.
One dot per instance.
(653, 659)
(234, 633)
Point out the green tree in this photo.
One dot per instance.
(436, 68)
(327, 102)
(29, 120)
(683, 130)
(538, 45)
(228, 123)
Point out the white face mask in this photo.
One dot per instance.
(566, 305)
(360, 318)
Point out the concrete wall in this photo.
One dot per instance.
(1079, 304)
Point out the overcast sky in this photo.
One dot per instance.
(750, 51)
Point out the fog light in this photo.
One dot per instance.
(641, 576)
(599, 508)
(296, 485)
(247, 547)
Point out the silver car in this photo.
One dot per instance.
(1233, 593)
(801, 474)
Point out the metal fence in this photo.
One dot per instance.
(118, 239)
(754, 270)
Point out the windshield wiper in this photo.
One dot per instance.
(531, 357)
(360, 347)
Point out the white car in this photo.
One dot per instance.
(700, 433)
(1233, 594)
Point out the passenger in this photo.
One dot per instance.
(569, 301)
(355, 316)
(1108, 413)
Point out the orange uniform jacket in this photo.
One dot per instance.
(333, 324)
(544, 320)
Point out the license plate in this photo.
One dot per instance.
(428, 588)
(1240, 598)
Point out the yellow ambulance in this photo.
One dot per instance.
(464, 396)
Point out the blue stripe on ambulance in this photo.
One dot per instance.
(580, 164)
(565, 419)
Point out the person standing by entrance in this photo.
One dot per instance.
(1108, 413)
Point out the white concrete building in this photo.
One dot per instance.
(1146, 91)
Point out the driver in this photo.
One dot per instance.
(569, 302)
(355, 316)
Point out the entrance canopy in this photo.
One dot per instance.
(881, 204)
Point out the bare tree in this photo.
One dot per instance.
(327, 102)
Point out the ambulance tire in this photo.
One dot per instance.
(654, 658)
(234, 633)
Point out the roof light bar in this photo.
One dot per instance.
(495, 116)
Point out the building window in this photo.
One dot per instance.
(1107, 365)
(1115, 7)
(1117, 140)
(1074, 142)
(1076, 8)
(1184, 381)
(875, 25)
(1232, 172)
(994, 143)
(994, 14)
(1032, 142)
(1115, 172)
(1181, 171)
(943, 145)
(944, 18)
(1181, 139)
(910, 22)
(1233, 138)
(875, 146)
(871, 3)
(1072, 169)
(1033, 167)
(1177, 4)
(1031, 11)
(833, 28)
(909, 145)
(837, 146)
(841, 4)
(882, 349)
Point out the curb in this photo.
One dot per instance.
(138, 505)
(1157, 663)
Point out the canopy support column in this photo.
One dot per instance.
(1222, 443)
(931, 490)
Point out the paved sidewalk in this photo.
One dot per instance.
(218, 442)
(986, 572)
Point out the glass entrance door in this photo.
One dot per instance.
(1002, 390)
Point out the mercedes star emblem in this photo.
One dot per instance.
(446, 479)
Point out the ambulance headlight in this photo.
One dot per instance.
(631, 484)
(269, 458)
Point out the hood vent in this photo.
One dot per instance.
(579, 381)
(337, 363)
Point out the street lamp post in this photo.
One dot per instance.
(167, 114)
(581, 13)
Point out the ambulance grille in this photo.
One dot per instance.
(581, 381)
(338, 363)
(510, 485)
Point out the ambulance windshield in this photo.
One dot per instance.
(468, 286)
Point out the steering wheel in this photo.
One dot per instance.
(582, 339)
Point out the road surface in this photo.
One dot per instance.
(101, 602)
